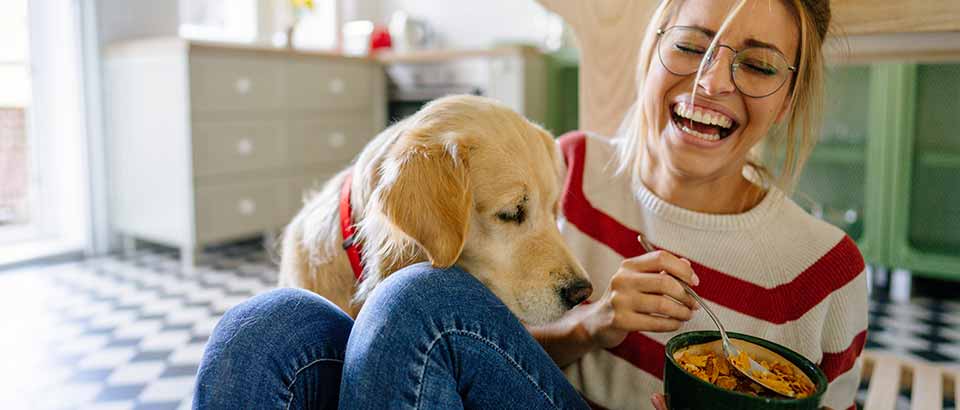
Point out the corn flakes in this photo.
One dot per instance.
(711, 367)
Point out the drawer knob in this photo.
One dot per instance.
(337, 86)
(246, 206)
(244, 146)
(243, 85)
(337, 139)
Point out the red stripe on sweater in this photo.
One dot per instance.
(778, 305)
(835, 364)
(643, 353)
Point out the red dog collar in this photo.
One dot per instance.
(350, 243)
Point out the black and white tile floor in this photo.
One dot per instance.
(116, 333)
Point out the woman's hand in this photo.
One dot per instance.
(641, 297)
(659, 401)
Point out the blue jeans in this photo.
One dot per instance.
(426, 338)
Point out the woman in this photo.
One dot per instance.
(770, 269)
(681, 173)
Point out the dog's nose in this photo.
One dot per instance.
(576, 292)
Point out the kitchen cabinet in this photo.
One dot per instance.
(887, 169)
(210, 143)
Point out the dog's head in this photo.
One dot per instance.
(475, 184)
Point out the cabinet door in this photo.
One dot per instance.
(833, 185)
(330, 140)
(232, 82)
(233, 146)
(934, 218)
(236, 210)
(328, 85)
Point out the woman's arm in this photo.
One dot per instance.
(640, 297)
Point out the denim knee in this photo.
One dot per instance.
(422, 287)
(260, 346)
(430, 300)
(289, 313)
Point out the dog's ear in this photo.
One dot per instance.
(424, 192)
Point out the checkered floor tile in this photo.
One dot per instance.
(116, 333)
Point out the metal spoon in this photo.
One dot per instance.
(729, 349)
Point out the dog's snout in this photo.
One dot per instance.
(576, 292)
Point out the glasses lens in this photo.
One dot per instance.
(681, 49)
(760, 71)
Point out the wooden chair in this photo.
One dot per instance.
(887, 374)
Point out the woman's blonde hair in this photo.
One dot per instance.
(796, 139)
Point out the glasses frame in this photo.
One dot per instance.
(733, 64)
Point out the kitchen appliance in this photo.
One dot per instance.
(409, 34)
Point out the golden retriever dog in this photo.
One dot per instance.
(464, 181)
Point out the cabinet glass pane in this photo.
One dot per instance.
(833, 184)
(846, 98)
(935, 198)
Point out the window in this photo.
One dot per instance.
(15, 164)
(260, 21)
(43, 183)
(219, 20)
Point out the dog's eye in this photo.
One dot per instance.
(516, 216)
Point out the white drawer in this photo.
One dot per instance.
(329, 85)
(235, 82)
(220, 148)
(330, 139)
(236, 210)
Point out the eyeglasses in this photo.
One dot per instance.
(756, 71)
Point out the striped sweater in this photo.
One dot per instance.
(774, 272)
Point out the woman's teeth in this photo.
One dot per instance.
(703, 116)
(702, 123)
(698, 134)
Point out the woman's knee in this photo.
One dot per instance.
(282, 310)
(422, 287)
(435, 297)
(283, 323)
(260, 346)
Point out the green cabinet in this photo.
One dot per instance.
(887, 169)
(834, 183)
(563, 88)
(926, 230)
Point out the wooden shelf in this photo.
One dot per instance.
(940, 159)
(839, 154)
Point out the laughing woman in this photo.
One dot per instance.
(716, 80)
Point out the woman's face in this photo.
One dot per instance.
(667, 97)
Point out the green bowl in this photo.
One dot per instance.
(688, 392)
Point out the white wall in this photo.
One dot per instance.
(468, 24)
(462, 23)
(56, 123)
(125, 19)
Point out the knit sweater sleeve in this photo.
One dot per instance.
(844, 336)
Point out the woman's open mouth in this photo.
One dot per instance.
(701, 122)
